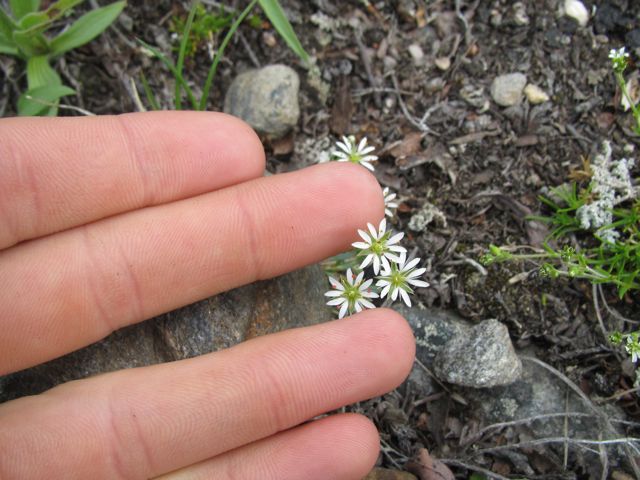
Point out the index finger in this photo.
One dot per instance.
(65, 172)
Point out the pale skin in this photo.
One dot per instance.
(108, 221)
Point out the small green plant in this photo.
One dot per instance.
(273, 12)
(601, 209)
(23, 34)
(203, 27)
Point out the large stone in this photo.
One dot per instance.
(507, 90)
(218, 322)
(483, 357)
(267, 99)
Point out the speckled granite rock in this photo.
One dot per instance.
(267, 99)
(219, 322)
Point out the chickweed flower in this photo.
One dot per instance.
(350, 294)
(633, 347)
(389, 204)
(379, 246)
(349, 151)
(398, 278)
(619, 59)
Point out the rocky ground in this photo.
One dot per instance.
(474, 107)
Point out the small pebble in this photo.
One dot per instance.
(535, 95)
(576, 10)
(416, 53)
(443, 63)
(507, 90)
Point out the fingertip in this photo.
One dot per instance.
(389, 334)
(362, 432)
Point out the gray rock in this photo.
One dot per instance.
(267, 99)
(507, 90)
(433, 329)
(212, 324)
(483, 357)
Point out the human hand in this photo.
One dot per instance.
(108, 221)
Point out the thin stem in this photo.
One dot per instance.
(183, 51)
(214, 66)
(634, 108)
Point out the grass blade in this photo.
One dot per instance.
(214, 66)
(183, 50)
(177, 75)
(148, 92)
(280, 22)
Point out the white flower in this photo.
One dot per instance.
(389, 204)
(612, 183)
(398, 279)
(350, 293)
(349, 151)
(619, 54)
(378, 246)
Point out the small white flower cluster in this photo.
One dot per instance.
(612, 183)
(396, 277)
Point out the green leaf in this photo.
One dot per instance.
(7, 25)
(7, 47)
(41, 100)
(40, 73)
(183, 49)
(20, 8)
(86, 28)
(280, 22)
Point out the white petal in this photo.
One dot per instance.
(385, 262)
(362, 144)
(394, 294)
(417, 283)
(357, 306)
(384, 291)
(333, 293)
(399, 249)
(382, 228)
(369, 294)
(365, 284)
(372, 230)
(369, 158)
(360, 245)
(343, 309)
(396, 238)
(392, 257)
(382, 282)
(411, 264)
(368, 166)
(403, 257)
(376, 264)
(405, 297)
(388, 212)
(416, 273)
(365, 236)
(367, 261)
(337, 301)
(359, 278)
(367, 303)
(349, 276)
(364, 151)
(336, 284)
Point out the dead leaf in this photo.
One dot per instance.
(411, 144)
(283, 146)
(427, 468)
(342, 108)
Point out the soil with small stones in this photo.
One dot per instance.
(414, 77)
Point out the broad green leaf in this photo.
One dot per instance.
(42, 99)
(31, 43)
(7, 25)
(7, 47)
(41, 21)
(86, 28)
(280, 22)
(20, 8)
(40, 73)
